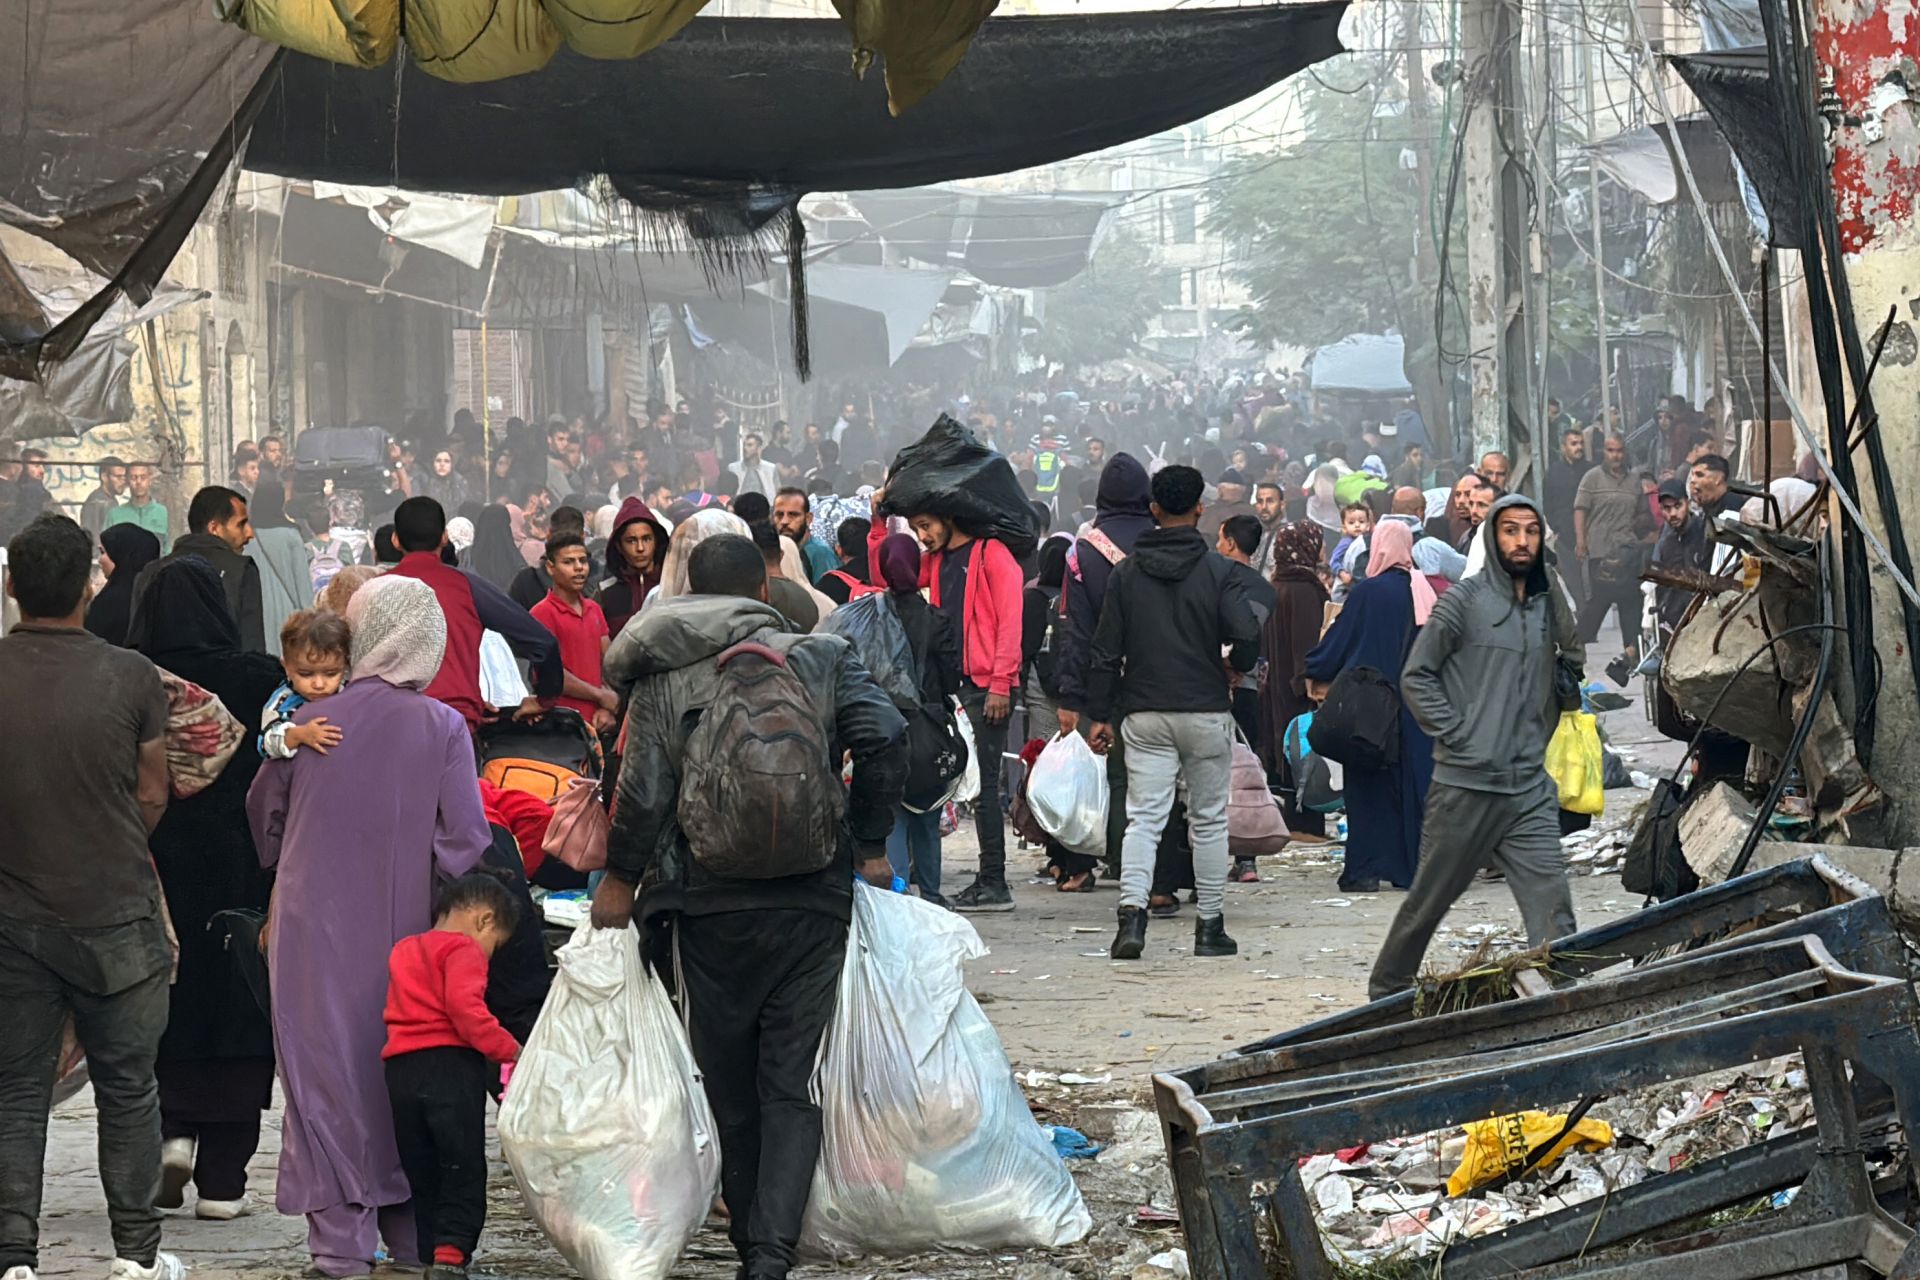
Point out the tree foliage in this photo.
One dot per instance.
(1328, 224)
(1101, 313)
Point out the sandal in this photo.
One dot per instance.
(1163, 906)
(1079, 882)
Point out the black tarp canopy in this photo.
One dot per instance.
(1736, 88)
(718, 132)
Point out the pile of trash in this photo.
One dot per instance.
(1410, 1197)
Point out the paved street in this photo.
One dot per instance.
(1060, 1006)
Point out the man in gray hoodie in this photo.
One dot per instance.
(1482, 681)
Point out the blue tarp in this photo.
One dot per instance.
(1369, 363)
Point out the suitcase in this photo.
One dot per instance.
(340, 449)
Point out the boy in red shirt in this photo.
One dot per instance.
(440, 1039)
(581, 629)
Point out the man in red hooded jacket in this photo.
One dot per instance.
(979, 586)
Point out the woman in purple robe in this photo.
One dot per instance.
(358, 836)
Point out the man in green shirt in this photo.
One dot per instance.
(140, 507)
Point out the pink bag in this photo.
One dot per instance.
(1254, 822)
(577, 834)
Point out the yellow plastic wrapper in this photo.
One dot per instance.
(1576, 763)
(1503, 1144)
(359, 33)
(921, 40)
(469, 41)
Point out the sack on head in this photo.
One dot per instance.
(760, 797)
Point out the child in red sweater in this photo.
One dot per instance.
(440, 1039)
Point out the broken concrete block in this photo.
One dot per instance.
(1712, 830)
(1703, 656)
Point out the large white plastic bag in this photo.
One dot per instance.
(927, 1142)
(1068, 794)
(605, 1123)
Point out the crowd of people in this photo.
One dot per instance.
(1211, 564)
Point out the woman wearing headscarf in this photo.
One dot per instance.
(358, 837)
(1323, 506)
(635, 550)
(215, 1067)
(460, 537)
(1375, 629)
(914, 845)
(687, 535)
(495, 555)
(1289, 635)
(286, 570)
(125, 549)
(1293, 489)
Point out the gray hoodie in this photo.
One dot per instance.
(1480, 679)
(663, 660)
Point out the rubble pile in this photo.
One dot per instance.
(1384, 1201)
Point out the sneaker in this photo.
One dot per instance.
(176, 1171)
(165, 1267)
(984, 895)
(1244, 872)
(221, 1210)
(18, 1273)
(1620, 670)
(935, 900)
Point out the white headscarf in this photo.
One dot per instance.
(460, 533)
(602, 522)
(693, 531)
(794, 570)
(399, 632)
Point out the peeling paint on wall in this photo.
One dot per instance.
(1870, 65)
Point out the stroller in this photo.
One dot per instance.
(542, 758)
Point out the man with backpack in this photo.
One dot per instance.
(732, 820)
(1170, 609)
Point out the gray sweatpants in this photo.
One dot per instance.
(1162, 747)
(1465, 831)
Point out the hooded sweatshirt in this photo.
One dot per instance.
(1171, 607)
(623, 592)
(663, 660)
(1480, 679)
(1122, 515)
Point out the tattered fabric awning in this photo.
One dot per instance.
(1736, 88)
(1016, 240)
(714, 136)
(862, 317)
(1642, 160)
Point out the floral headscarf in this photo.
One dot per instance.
(1297, 550)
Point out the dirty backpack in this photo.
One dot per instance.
(760, 796)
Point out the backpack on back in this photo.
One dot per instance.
(326, 561)
(760, 794)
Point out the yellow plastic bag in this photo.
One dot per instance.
(1502, 1144)
(620, 28)
(471, 41)
(359, 33)
(1576, 761)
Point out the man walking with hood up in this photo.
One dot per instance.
(1482, 680)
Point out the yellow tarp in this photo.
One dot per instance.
(1496, 1146)
(921, 41)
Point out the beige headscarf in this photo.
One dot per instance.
(693, 531)
(602, 522)
(399, 632)
(794, 570)
(334, 596)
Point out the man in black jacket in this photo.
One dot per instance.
(760, 959)
(1170, 608)
(218, 532)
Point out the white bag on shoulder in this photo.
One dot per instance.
(1068, 794)
(927, 1142)
(968, 789)
(605, 1122)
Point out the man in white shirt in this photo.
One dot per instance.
(755, 473)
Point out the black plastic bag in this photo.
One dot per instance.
(949, 473)
(1655, 863)
(1359, 723)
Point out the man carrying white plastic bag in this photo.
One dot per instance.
(929, 1143)
(732, 822)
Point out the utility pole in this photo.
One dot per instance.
(1499, 356)
(1434, 394)
(1599, 244)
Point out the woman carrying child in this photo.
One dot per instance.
(358, 835)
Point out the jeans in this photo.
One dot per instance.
(1163, 747)
(439, 1099)
(43, 982)
(760, 987)
(1464, 831)
(989, 820)
(913, 847)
